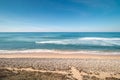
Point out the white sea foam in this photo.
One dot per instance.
(59, 52)
(86, 41)
(99, 38)
(26, 51)
(57, 42)
(103, 41)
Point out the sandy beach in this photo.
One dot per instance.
(71, 66)
(59, 54)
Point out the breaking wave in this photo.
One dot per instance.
(85, 41)
(98, 38)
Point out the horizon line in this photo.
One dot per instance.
(54, 31)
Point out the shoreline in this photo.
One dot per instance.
(57, 55)
(91, 52)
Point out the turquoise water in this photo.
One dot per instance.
(76, 41)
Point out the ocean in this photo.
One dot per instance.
(97, 42)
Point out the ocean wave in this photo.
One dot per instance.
(85, 41)
(99, 38)
(53, 42)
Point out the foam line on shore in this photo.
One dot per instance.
(59, 51)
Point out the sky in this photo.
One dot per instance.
(59, 15)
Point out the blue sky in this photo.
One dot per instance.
(59, 15)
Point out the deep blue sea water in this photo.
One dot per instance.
(75, 41)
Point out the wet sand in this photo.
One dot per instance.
(58, 55)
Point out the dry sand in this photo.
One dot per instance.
(76, 66)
